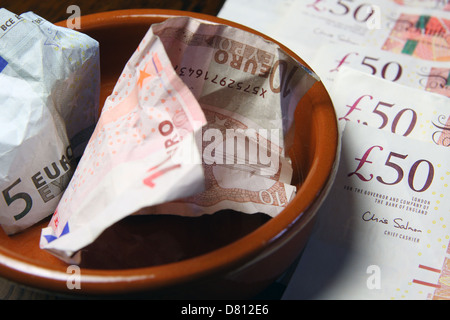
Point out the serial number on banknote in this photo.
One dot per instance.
(220, 80)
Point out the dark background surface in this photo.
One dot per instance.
(55, 10)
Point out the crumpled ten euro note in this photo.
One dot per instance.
(189, 88)
(248, 89)
(49, 93)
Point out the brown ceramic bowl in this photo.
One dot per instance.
(222, 256)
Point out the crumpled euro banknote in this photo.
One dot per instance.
(148, 121)
(49, 93)
(248, 89)
(197, 120)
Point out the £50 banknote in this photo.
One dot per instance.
(388, 235)
(369, 100)
(430, 76)
(305, 26)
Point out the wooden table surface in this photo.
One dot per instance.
(56, 10)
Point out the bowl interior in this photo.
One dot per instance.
(152, 251)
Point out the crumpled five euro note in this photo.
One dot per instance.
(49, 93)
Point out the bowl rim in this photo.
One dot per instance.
(240, 252)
